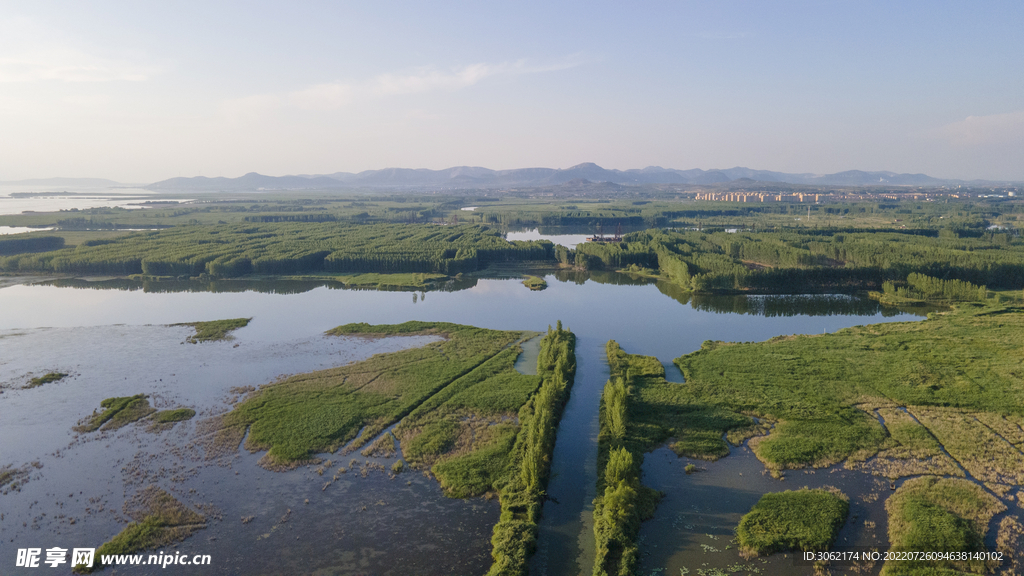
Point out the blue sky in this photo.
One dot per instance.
(139, 92)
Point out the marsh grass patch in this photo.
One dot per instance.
(967, 359)
(986, 455)
(158, 520)
(44, 379)
(352, 405)
(801, 520)
(214, 330)
(941, 515)
(166, 419)
(12, 479)
(118, 411)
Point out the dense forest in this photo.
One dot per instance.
(286, 248)
(776, 262)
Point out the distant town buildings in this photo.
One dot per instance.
(757, 197)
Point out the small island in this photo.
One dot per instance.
(535, 283)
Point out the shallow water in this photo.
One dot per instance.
(56, 198)
(115, 342)
(693, 525)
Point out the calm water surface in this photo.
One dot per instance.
(116, 342)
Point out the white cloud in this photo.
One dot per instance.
(335, 95)
(32, 53)
(973, 131)
(67, 66)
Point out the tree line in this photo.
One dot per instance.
(522, 496)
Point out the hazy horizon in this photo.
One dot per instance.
(141, 93)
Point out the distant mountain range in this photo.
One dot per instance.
(470, 177)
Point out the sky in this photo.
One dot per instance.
(142, 91)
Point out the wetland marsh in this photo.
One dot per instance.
(119, 343)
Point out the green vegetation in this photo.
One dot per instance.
(284, 249)
(388, 281)
(901, 391)
(22, 244)
(214, 330)
(461, 407)
(322, 411)
(941, 515)
(44, 379)
(827, 259)
(840, 244)
(176, 415)
(522, 489)
(160, 520)
(922, 288)
(535, 283)
(986, 454)
(910, 450)
(804, 520)
(120, 411)
(639, 411)
(166, 419)
(968, 360)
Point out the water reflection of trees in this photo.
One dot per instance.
(787, 305)
(238, 286)
(756, 305)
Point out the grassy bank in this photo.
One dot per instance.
(966, 361)
(806, 520)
